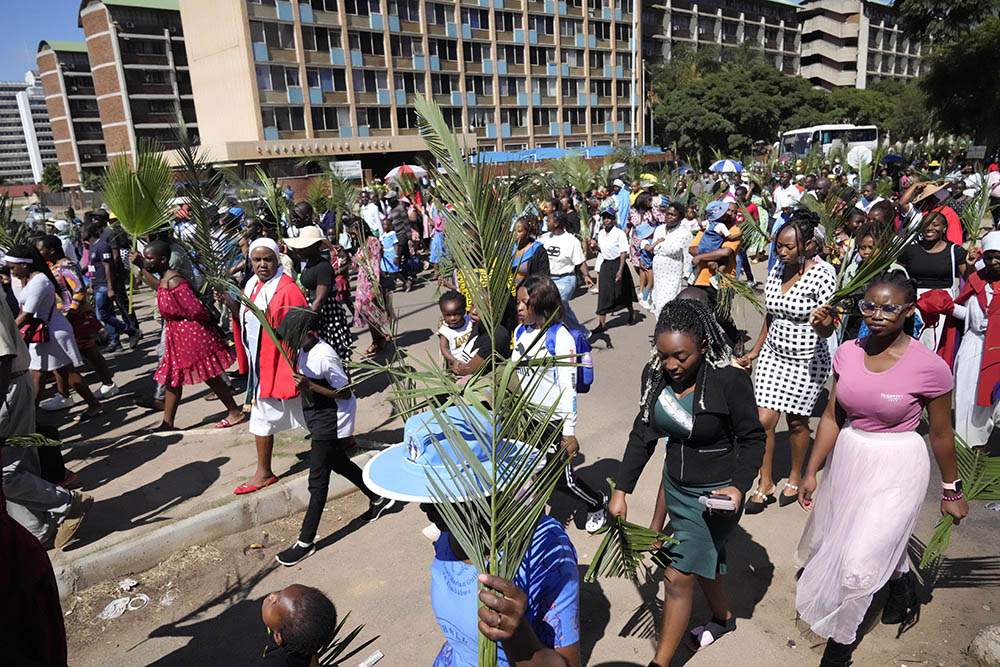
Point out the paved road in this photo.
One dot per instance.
(380, 572)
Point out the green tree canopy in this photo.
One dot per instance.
(51, 178)
(962, 83)
(943, 20)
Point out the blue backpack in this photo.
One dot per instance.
(584, 372)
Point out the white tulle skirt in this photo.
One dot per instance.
(856, 535)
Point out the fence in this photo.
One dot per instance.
(80, 201)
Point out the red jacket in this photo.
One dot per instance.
(989, 370)
(275, 374)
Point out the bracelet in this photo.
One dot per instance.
(952, 499)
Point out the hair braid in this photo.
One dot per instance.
(697, 321)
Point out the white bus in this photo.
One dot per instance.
(799, 143)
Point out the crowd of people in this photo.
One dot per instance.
(712, 393)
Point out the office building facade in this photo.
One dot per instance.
(25, 133)
(73, 112)
(139, 67)
(277, 78)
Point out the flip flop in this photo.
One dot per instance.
(225, 423)
(704, 636)
(250, 488)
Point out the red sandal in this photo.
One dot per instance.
(250, 488)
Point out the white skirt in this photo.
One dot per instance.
(58, 351)
(274, 415)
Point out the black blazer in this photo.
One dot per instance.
(727, 439)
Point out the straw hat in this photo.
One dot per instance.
(308, 236)
(929, 190)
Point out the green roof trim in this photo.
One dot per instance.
(168, 5)
(76, 47)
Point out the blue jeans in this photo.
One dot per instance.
(106, 314)
(566, 286)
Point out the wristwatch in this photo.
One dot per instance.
(955, 486)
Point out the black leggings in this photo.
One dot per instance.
(326, 454)
(569, 482)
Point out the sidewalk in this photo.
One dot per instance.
(155, 494)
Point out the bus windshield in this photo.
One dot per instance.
(796, 143)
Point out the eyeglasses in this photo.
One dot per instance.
(890, 310)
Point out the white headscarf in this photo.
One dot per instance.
(264, 242)
(249, 323)
(991, 241)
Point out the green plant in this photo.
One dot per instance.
(318, 195)
(140, 197)
(52, 177)
(338, 651)
(273, 199)
(980, 475)
(623, 548)
(12, 231)
(975, 210)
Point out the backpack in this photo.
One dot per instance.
(584, 372)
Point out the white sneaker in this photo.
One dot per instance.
(57, 402)
(107, 390)
(596, 520)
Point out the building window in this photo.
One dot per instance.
(624, 5)
(625, 115)
(453, 117)
(325, 118)
(512, 55)
(622, 88)
(369, 43)
(291, 76)
(263, 77)
(444, 49)
(570, 27)
(575, 116)
(361, 7)
(406, 10)
(571, 87)
(406, 118)
(402, 46)
(512, 116)
(623, 60)
(478, 19)
(411, 82)
(438, 14)
(542, 117)
(480, 85)
(600, 87)
(508, 21)
(600, 115)
(369, 81)
(511, 85)
(331, 80)
(319, 39)
(377, 118)
(323, 5)
(597, 59)
(623, 32)
(540, 24)
(600, 29)
(541, 55)
(480, 118)
(444, 84)
(572, 57)
(286, 119)
(543, 87)
(476, 52)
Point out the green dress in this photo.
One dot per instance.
(701, 547)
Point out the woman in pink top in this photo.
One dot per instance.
(877, 471)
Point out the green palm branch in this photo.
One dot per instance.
(212, 240)
(30, 440)
(495, 528)
(273, 198)
(730, 290)
(753, 235)
(832, 214)
(318, 195)
(140, 197)
(975, 210)
(623, 548)
(338, 650)
(12, 231)
(980, 475)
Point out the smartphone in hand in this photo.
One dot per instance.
(722, 503)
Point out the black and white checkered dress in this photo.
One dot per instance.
(794, 363)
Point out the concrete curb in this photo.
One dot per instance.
(150, 549)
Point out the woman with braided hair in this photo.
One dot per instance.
(703, 405)
(794, 356)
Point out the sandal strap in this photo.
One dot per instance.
(758, 493)
(793, 487)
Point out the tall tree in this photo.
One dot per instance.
(963, 84)
(943, 20)
(51, 178)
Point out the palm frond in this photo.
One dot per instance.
(140, 197)
(753, 235)
(30, 440)
(12, 231)
(338, 650)
(975, 210)
(731, 290)
(318, 195)
(273, 199)
(832, 214)
(980, 475)
(623, 548)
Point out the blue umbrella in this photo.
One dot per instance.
(892, 158)
(727, 166)
(685, 170)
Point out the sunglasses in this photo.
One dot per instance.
(890, 310)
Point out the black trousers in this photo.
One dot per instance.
(569, 482)
(326, 454)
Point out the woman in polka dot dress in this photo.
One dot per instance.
(195, 349)
(794, 357)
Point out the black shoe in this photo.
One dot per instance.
(836, 655)
(295, 554)
(754, 506)
(377, 508)
(901, 598)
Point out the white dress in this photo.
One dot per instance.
(38, 297)
(973, 421)
(669, 261)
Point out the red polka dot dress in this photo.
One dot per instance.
(195, 349)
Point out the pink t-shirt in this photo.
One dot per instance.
(890, 401)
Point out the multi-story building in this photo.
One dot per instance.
(280, 78)
(139, 67)
(73, 111)
(25, 135)
(855, 42)
(772, 25)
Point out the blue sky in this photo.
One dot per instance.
(27, 22)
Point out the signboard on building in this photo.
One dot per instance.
(349, 169)
(975, 153)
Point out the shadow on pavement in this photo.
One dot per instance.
(111, 460)
(595, 615)
(146, 504)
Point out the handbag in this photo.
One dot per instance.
(85, 325)
(37, 331)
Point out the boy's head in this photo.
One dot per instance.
(298, 327)
(453, 306)
(301, 618)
